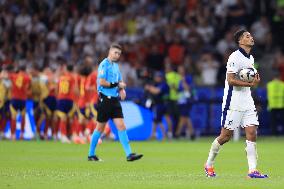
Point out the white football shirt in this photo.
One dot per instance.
(238, 98)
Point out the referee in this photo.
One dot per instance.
(110, 87)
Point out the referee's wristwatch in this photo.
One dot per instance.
(112, 85)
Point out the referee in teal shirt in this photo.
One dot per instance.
(110, 88)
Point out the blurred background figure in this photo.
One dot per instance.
(185, 100)
(155, 35)
(208, 67)
(275, 96)
(159, 92)
(172, 79)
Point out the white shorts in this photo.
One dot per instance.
(232, 119)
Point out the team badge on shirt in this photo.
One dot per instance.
(101, 72)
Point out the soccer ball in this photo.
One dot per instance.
(247, 74)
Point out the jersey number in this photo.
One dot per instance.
(19, 81)
(82, 87)
(64, 87)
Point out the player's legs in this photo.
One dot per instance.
(39, 122)
(55, 128)
(162, 127)
(75, 130)
(5, 116)
(190, 128)
(63, 127)
(224, 137)
(64, 111)
(159, 112)
(103, 115)
(170, 126)
(250, 123)
(95, 138)
(2, 124)
(13, 112)
(123, 138)
(180, 125)
(251, 152)
(251, 147)
(23, 113)
(154, 128)
(37, 117)
(230, 121)
(49, 107)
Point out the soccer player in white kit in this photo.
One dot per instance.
(238, 107)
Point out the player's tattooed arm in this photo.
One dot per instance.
(234, 81)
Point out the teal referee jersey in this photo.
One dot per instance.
(110, 72)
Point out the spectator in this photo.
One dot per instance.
(184, 104)
(176, 51)
(159, 92)
(155, 60)
(208, 68)
(262, 34)
(275, 95)
(128, 72)
(279, 64)
(226, 43)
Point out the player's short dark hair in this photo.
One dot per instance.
(116, 45)
(70, 67)
(238, 34)
(9, 67)
(85, 70)
(22, 67)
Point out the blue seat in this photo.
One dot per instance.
(203, 93)
(199, 116)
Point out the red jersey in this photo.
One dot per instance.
(66, 87)
(91, 86)
(83, 93)
(21, 83)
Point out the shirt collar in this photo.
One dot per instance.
(244, 52)
(110, 62)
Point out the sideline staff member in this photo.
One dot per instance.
(110, 86)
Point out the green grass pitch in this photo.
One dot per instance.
(177, 164)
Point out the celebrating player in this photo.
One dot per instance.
(110, 87)
(67, 90)
(36, 94)
(4, 104)
(48, 102)
(238, 107)
(20, 89)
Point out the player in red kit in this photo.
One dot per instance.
(20, 89)
(48, 87)
(91, 87)
(67, 89)
(83, 111)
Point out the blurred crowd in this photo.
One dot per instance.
(194, 33)
(169, 46)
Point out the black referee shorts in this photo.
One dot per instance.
(108, 108)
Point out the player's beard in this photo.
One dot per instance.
(115, 59)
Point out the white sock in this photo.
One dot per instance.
(251, 155)
(214, 150)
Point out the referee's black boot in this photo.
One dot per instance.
(133, 157)
(94, 158)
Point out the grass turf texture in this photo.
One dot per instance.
(178, 164)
